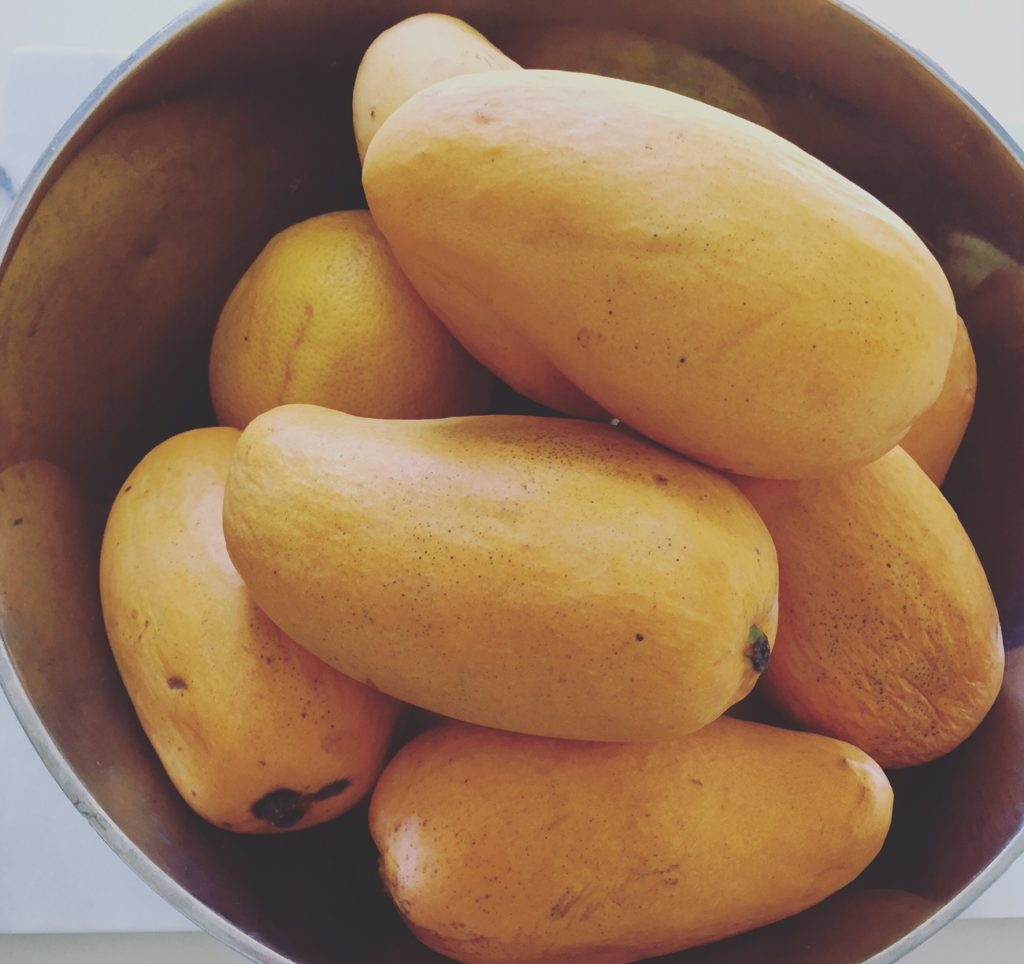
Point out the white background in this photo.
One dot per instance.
(55, 873)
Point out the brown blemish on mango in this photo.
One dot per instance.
(760, 649)
(283, 808)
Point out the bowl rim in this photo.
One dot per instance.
(204, 917)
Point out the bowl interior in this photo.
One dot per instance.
(118, 262)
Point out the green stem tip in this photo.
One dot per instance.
(760, 649)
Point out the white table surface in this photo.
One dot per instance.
(56, 876)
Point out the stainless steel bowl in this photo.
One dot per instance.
(118, 255)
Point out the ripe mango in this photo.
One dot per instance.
(710, 284)
(324, 315)
(498, 847)
(408, 57)
(550, 576)
(933, 440)
(257, 735)
(888, 634)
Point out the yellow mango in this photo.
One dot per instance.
(500, 848)
(889, 636)
(934, 438)
(707, 282)
(550, 576)
(256, 734)
(405, 59)
(410, 56)
(324, 315)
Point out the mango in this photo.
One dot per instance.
(889, 636)
(502, 848)
(257, 735)
(550, 576)
(710, 284)
(934, 439)
(412, 55)
(324, 315)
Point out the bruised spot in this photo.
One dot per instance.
(661, 479)
(284, 808)
(176, 683)
(332, 789)
(18, 521)
(565, 903)
(760, 649)
(281, 808)
(696, 782)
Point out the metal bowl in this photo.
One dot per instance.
(117, 257)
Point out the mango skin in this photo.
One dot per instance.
(498, 847)
(257, 735)
(548, 576)
(933, 440)
(889, 636)
(716, 288)
(410, 56)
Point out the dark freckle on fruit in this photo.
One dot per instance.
(332, 789)
(696, 782)
(661, 479)
(176, 683)
(639, 637)
(373, 113)
(17, 522)
(281, 808)
(127, 488)
(682, 360)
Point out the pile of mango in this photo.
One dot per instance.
(721, 343)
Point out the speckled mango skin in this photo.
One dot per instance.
(257, 735)
(889, 636)
(704, 280)
(548, 576)
(506, 849)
